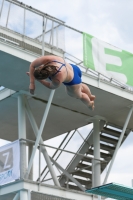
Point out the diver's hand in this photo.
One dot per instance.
(32, 88)
(28, 73)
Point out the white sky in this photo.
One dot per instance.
(110, 21)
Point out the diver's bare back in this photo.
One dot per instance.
(66, 72)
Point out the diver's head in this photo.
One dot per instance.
(44, 71)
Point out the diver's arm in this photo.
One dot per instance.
(33, 65)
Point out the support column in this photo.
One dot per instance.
(22, 133)
(96, 172)
(30, 149)
(23, 195)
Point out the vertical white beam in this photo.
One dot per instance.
(52, 34)
(21, 117)
(22, 133)
(8, 14)
(23, 195)
(30, 149)
(118, 144)
(132, 183)
(56, 36)
(1, 8)
(96, 163)
(43, 34)
(39, 174)
(24, 21)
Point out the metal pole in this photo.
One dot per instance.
(132, 182)
(24, 21)
(43, 35)
(118, 144)
(67, 174)
(99, 197)
(22, 133)
(29, 195)
(23, 36)
(92, 172)
(57, 37)
(30, 148)
(44, 151)
(52, 33)
(23, 195)
(17, 196)
(21, 116)
(85, 141)
(39, 163)
(96, 143)
(1, 8)
(8, 14)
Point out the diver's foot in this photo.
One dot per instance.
(92, 98)
(91, 106)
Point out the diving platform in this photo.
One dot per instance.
(114, 191)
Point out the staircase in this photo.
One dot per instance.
(81, 167)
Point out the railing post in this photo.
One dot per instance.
(1, 8)
(43, 35)
(23, 36)
(8, 14)
(57, 37)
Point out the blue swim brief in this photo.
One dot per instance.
(77, 76)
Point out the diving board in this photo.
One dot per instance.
(113, 190)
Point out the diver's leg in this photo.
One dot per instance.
(76, 91)
(86, 100)
(85, 89)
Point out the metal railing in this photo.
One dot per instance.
(58, 150)
(32, 22)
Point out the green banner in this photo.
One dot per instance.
(107, 59)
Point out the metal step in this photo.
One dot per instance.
(109, 140)
(82, 181)
(72, 187)
(103, 155)
(111, 132)
(107, 147)
(84, 166)
(82, 174)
